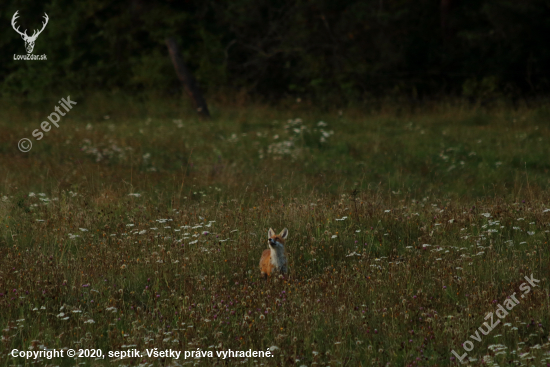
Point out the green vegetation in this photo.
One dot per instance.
(336, 51)
(135, 224)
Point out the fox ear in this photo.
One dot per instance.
(284, 233)
(270, 233)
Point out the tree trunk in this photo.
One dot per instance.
(446, 7)
(187, 79)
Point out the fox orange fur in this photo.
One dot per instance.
(273, 260)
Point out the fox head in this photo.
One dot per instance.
(277, 241)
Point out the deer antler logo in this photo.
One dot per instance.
(29, 41)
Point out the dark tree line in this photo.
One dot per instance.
(320, 48)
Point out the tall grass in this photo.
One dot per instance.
(134, 225)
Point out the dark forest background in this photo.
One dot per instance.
(318, 49)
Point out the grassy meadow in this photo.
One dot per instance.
(134, 225)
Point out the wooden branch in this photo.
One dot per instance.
(188, 81)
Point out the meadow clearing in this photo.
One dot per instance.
(136, 226)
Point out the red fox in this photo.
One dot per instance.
(274, 258)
